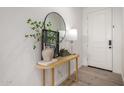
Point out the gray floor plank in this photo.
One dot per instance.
(89, 76)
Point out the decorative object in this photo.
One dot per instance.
(50, 32)
(51, 39)
(54, 32)
(64, 52)
(72, 36)
(37, 27)
(47, 54)
(58, 24)
(47, 63)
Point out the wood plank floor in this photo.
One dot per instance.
(89, 76)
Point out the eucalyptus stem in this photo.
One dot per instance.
(37, 27)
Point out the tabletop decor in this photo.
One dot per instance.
(48, 54)
(64, 52)
(71, 37)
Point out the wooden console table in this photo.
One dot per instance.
(59, 62)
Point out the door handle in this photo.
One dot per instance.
(110, 47)
(110, 43)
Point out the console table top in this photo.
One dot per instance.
(56, 62)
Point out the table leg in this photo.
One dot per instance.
(69, 73)
(76, 74)
(52, 71)
(43, 77)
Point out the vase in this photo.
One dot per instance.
(47, 54)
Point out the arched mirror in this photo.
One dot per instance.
(55, 22)
(54, 32)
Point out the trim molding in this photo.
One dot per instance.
(122, 77)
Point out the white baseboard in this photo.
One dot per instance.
(85, 62)
(122, 78)
(122, 75)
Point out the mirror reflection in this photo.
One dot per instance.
(55, 22)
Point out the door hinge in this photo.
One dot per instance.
(113, 27)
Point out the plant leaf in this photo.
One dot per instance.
(26, 35)
(39, 22)
(35, 22)
(34, 46)
(29, 20)
(33, 28)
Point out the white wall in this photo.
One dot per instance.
(117, 45)
(123, 45)
(117, 17)
(17, 58)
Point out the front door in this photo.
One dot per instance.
(100, 38)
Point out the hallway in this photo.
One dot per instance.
(89, 76)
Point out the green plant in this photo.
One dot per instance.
(51, 37)
(37, 27)
(64, 52)
(49, 25)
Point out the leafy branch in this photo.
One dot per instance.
(37, 27)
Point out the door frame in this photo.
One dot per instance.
(116, 34)
(110, 36)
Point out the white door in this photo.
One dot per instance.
(99, 36)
